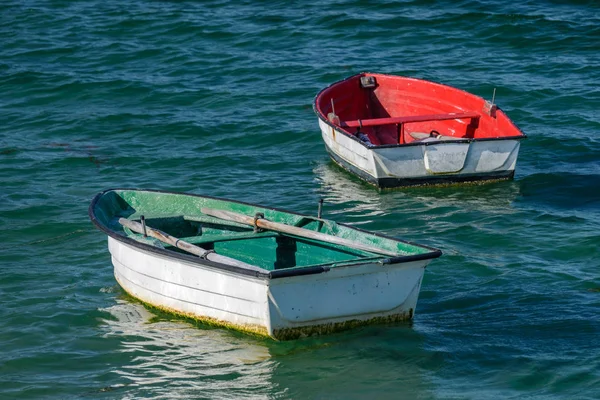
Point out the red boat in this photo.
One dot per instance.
(399, 131)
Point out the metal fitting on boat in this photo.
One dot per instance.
(320, 210)
(206, 253)
(258, 216)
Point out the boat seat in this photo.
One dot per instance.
(404, 120)
(390, 130)
(432, 137)
(225, 238)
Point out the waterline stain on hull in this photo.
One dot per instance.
(255, 330)
(324, 329)
(403, 183)
(278, 334)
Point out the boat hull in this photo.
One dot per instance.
(283, 308)
(422, 164)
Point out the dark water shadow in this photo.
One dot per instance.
(560, 190)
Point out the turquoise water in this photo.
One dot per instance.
(216, 98)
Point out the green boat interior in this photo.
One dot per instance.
(179, 216)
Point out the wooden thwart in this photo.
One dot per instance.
(294, 230)
(185, 246)
(423, 135)
(404, 120)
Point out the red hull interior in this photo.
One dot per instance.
(395, 97)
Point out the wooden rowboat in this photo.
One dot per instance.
(396, 131)
(253, 268)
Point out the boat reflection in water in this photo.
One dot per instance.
(175, 359)
(421, 214)
(347, 195)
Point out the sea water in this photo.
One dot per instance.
(215, 98)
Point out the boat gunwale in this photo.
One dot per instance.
(339, 129)
(282, 273)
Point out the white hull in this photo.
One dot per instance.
(283, 308)
(431, 162)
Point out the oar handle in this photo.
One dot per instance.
(185, 246)
(294, 230)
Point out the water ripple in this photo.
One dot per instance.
(215, 98)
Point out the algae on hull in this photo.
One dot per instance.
(323, 329)
(255, 330)
(280, 334)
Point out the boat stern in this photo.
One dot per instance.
(343, 298)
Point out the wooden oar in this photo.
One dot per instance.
(183, 245)
(293, 230)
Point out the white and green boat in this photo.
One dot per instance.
(254, 268)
